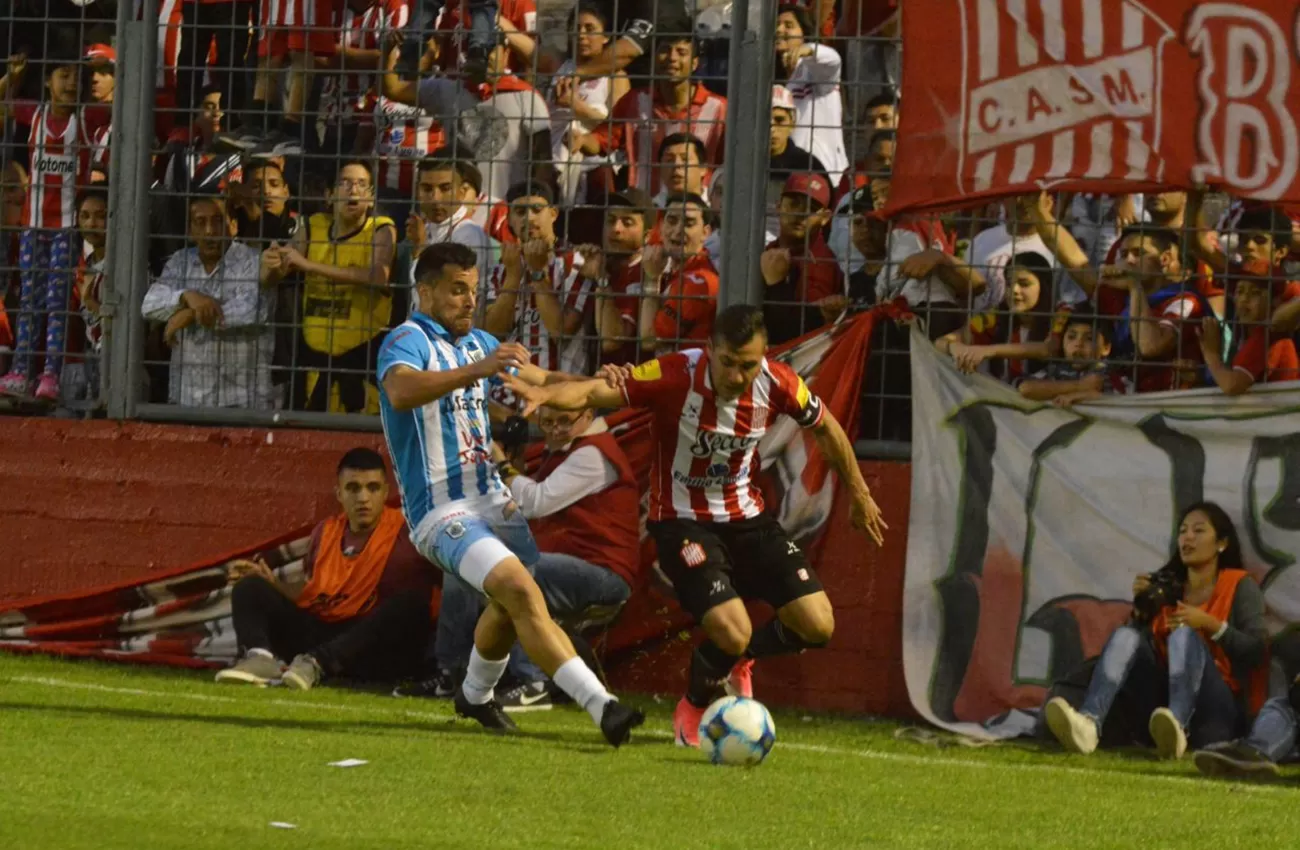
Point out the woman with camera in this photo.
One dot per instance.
(1194, 652)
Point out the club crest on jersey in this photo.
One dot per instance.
(718, 470)
(456, 530)
(708, 443)
(693, 554)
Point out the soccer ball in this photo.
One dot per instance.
(737, 732)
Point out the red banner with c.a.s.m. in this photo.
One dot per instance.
(1011, 96)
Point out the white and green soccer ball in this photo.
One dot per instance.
(737, 731)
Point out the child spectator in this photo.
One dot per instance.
(673, 104)
(812, 74)
(629, 216)
(993, 247)
(59, 147)
(1263, 356)
(679, 283)
(88, 296)
(1018, 337)
(804, 287)
(442, 215)
(211, 297)
(579, 104)
(1083, 374)
(681, 168)
(346, 261)
(538, 295)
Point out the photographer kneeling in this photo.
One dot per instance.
(1194, 652)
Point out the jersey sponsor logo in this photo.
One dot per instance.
(648, 371)
(63, 166)
(462, 404)
(693, 554)
(803, 574)
(708, 480)
(709, 443)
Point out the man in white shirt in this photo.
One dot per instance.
(443, 216)
(813, 77)
(582, 503)
(218, 312)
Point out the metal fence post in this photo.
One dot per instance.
(749, 116)
(128, 207)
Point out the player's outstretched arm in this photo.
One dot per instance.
(408, 388)
(835, 444)
(565, 395)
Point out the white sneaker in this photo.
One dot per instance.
(1170, 738)
(1076, 731)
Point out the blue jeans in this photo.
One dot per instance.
(482, 24)
(569, 585)
(1196, 693)
(1274, 730)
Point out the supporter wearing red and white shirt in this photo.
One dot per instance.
(59, 145)
(294, 34)
(674, 104)
(710, 410)
(679, 283)
(443, 217)
(538, 295)
(404, 135)
(350, 97)
(1263, 355)
(629, 216)
(804, 287)
(516, 18)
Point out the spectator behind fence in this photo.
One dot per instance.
(868, 235)
(1020, 333)
(803, 285)
(1084, 373)
(871, 178)
(220, 30)
(1263, 354)
(103, 85)
(1263, 244)
(81, 380)
(364, 612)
(582, 505)
(194, 162)
(468, 30)
(217, 311)
(785, 158)
(405, 137)
(59, 145)
(629, 216)
(811, 72)
(293, 35)
(348, 303)
(881, 112)
(443, 216)
(993, 247)
(578, 104)
(539, 296)
(1203, 634)
(348, 102)
(682, 168)
(672, 104)
(259, 204)
(504, 125)
(679, 283)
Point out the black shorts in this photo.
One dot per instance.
(712, 563)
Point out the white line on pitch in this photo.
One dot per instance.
(878, 755)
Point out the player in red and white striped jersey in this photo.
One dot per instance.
(538, 295)
(712, 407)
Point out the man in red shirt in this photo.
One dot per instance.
(1264, 355)
(711, 409)
(644, 117)
(629, 215)
(679, 283)
(804, 285)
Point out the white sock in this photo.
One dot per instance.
(576, 679)
(481, 677)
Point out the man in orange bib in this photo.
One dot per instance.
(364, 612)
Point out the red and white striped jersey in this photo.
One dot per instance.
(705, 456)
(404, 135)
(59, 150)
(641, 121)
(100, 150)
(170, 23)
(349, 93)
(574, 291)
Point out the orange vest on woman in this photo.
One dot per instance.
(343, 587)
(1219, 606)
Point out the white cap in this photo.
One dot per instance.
(781, 98)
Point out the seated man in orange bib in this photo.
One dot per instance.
(364, 612)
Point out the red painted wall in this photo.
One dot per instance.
(84, 504)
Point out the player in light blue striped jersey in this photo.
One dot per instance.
(434, 373)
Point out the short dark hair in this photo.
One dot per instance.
(261, 163)
(682, 139)
(438, 256)
(361, 460)
(436, 162)
(1086, 314)
(883, 99)
(682, 198)
(360, 163)
(738, 324)
(888, 134)
(204, 92)
(96, 190)
(205, 197)
(1164, 238)
(530, 189)
(589, 7)
(1267, 219)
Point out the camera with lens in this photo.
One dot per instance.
(1165, 589)
(512, 435)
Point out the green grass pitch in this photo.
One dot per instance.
(101, 756)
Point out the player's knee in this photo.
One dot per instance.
(816, 625)
(732, 635)
(515, 591)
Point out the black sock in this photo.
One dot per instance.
(776, 639)
(710, 667)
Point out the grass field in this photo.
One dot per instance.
(104, 756)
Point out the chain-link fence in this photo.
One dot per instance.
(618, 169)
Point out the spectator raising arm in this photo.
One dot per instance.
(1204, 245)
(1061, 242)
(1232, 380)
(12, 81)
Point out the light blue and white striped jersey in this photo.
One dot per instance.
(441, 452)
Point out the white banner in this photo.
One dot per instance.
(1029, 522)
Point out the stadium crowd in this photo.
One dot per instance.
(301, 163)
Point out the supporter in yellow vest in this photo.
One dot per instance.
(346, 260)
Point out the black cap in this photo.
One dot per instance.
(861, 201)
